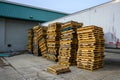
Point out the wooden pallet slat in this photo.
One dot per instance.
(90, 54)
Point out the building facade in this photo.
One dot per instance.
(16, 19)
(106, 15)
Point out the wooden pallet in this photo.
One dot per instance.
(90, 31)
(44, 52)
(43, 45)
(90, 44)
(89, 68)
(53, 37)
(72, 24)
(52, 57)
(71, 53)
(52, 40)
(54, 26)
(90, 54)
(58, 69)
(30, 41)
(86, 58)
(53, 33)
(67, 49)
(68, 46)
(91, 27)
(67, 56)
(90, 50)
(68, 32)
(66, 63)
(65, 59)
(91, 63)
(91, 34)
(92, 60)
(68, 39)
(94, 46)
(66, 29)
(52, 44)
(44, 55)
(43, 39)
(53, 52)
(91, 40)
(39, 39)
(90, 57)
(68, 36)
(68, 43)
(43, 48)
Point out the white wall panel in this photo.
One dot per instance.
(106, 16)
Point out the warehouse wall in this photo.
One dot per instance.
(2, 33)
(106, 15)
(14, 32)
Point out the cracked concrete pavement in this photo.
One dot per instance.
(29, 67)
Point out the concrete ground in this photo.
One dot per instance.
(110, 50)
(29, 67)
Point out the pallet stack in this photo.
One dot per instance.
(42, 41)
(30, 41)
(68, 43)
(58, 69)
(36, 50)
(53, 37)
(90, 54)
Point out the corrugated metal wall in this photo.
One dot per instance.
(106, 16)
(14, 32)
(2, 33)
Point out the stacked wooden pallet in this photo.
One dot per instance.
(90, 54)
(36, 50)
(58, 69)
(30, 41)
(68, 43)
(42, 41)
(53, 37)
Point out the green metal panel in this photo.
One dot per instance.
(27, 13)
